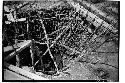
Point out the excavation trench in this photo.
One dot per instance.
(62, 40)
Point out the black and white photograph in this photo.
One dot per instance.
(60, 40)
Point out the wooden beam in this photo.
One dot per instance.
(67, 27)
(23, 72)
(22, 46)
(16, 46)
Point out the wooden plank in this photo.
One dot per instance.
(22, 46)
(10, 75)
(23, 72)
(9, 48)
(18, 45)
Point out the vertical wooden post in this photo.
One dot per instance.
(17, 61)
(17, 56)
(27, 29)
(16, 39)
(32, 52)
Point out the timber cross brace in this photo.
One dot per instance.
(54, 39)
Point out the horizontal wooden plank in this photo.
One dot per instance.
(23, 72)
(10, 75)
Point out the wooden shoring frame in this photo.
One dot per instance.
(32, 50)
(66, 28)
(46, 36)
(22, 47)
